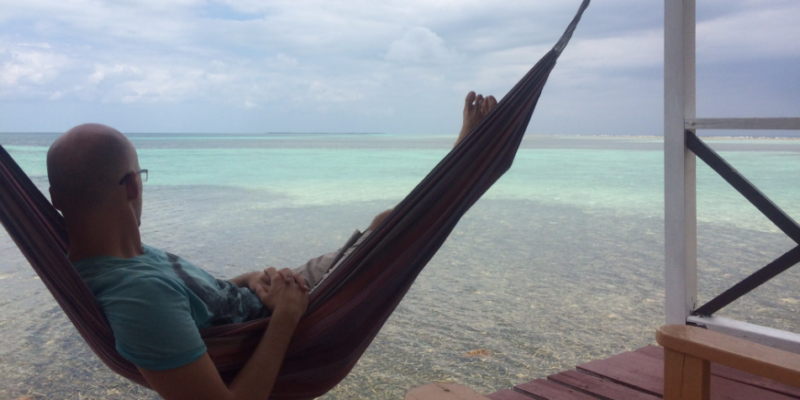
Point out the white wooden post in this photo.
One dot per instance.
(680, 207)
(679, 163)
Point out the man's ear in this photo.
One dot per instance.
(132, 188)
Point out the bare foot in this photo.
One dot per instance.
(475, 108)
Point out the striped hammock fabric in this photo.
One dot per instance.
(348, 309)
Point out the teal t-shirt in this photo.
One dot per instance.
(157, 302)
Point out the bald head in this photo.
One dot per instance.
(85, 165)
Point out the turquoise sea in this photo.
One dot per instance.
(560, 263)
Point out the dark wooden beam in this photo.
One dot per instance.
(753, 281)
(747, 189)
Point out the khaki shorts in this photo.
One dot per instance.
(317, 269)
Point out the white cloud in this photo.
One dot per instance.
(408, 56)
(633, 50)
(772, 33)
(282, 61)
(103, 72)
(29, 65)
(420, 45)
(327, 93)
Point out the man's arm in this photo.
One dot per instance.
(200, 379)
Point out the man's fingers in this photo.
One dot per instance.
(273, 275)
(287, 274)
(298, 277)
(261, 293)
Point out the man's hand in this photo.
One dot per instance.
(283, 290)
(475, 108)
(251, 280)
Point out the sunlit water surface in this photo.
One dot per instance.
(560, 263)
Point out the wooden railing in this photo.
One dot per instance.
(763, 204)
(689, 352)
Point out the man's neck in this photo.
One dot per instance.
(101, 237)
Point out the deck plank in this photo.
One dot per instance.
(639, 362)
(644, 371)
(657, 352)
(722, 388)
(628, 375)
(599, 387)
(639, 375)
(508, 394)
(754, 380)
(552, 391)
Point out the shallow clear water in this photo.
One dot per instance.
(560, 263)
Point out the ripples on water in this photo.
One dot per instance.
(539, 276)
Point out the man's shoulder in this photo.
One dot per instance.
(101, 264)
(113, 276)
(142, 286)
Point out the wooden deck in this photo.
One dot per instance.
(639, 375)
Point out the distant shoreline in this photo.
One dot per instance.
(662, 136)
(268, 134)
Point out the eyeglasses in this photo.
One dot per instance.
(141, 171)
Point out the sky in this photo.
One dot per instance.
(398, 66)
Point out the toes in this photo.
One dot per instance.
(488, 105)
(470, 98)
(479, 102)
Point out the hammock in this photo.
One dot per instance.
(348, 309)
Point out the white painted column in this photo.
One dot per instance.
(679, 163)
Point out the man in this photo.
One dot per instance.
(155, 301)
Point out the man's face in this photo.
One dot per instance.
(137, 205)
